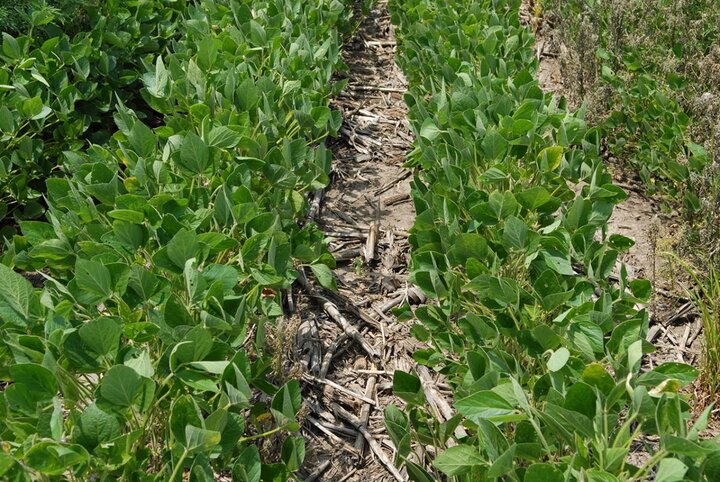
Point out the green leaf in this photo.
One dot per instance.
(101, 335)
(398, 427)
(515, 234)
(227, 275)
(408, 387)
(156, 83)
(248, 466)
(200, 439)
(293, 453)
(683, 446)
(494, 145)
(484, 405)
(94, 278)
(194, 154)
(417, 473)
(503, 465)
(95, 427)
(558, 262)
(581, 398)
(34, 380)
(286, 402)
(139, 360)
(7, 120)
(194, 347)
(671, 470)
(223, 137)
(681, 372)
(182, 247)
(543, 473)
(458, 460)
(142, 139)
(52, 458)
(10, 46)
(429, 130)
(16, 296)
(568, 421)
(121, 385)
(558, 359)
(184, 413)
(550, 158)
(134, 217)
(503, 204)
(641, 289)
(324, 276)
(534, 198)
(594, 475)
(595, 375)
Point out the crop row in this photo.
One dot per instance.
(536, 326)
(650, 64)
(166, 245)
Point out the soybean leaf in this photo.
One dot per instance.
(120, 386)
(543, 473)
(398, 426)
(182, 247)
(224, 137)
(558, 359)
(247, 468)
(681, 372)
(671, 470)
(94, 279)
(101, 335)
(494, 145)
(408, 387)
(16, 296)
(184, 413)
(95, 427)
(194, 154)
(429, 130)
(142, 139)
(32, 383)
(293, 453)
(200, 439)
(484, 405)
(515, 234)
(324, 276)
(53, 458)
(286, 403)
(458, 460)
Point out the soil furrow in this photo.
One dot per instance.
(365, 213)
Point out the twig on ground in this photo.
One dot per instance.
(339, 388)
(438, 400)
(345, 255)
(337, 440)
(374, 88)
(365, 411)
(315, 205)
(396, 199)
(318, 471)
(413, 293)
(394, 182)
(334, 313)
(372, 443)
(327, 359)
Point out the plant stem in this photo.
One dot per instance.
(261, 435)
(178, 465)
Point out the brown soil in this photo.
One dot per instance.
(370, 192)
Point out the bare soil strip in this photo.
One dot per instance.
(348, 342)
